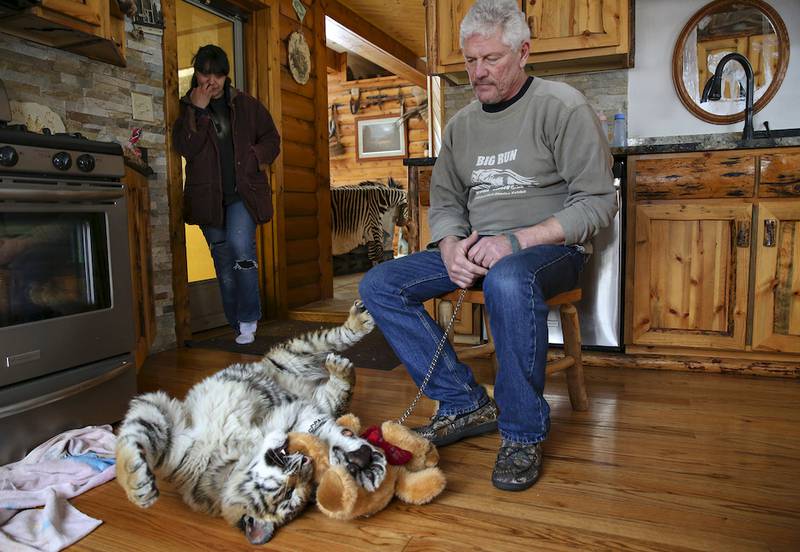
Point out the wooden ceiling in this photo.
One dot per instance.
(403, 20)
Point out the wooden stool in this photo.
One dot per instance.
(571, 362)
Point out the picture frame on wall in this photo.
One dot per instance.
(380, 137)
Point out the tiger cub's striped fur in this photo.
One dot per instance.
(224, 446)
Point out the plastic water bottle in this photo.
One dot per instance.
(620, 131)
(604, 125)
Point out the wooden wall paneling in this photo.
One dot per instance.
(345, 168)
(298, 130)
(323, 168)
(302, 228)
(299, 155)
(298, 251)
(303, 295)
(299, 179)
(304, 273)
(300, 204)
(264, 78)
(180, 276)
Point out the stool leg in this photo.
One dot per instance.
(576, 384)
(444, 313)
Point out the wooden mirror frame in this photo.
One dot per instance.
(677, 61)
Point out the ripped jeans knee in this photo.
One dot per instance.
(245, 264)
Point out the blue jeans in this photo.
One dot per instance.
(515, 292)
(233, 248)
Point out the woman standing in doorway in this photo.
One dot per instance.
(228, 138)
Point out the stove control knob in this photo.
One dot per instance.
(62, 161)
(85, 162)
(8, 156)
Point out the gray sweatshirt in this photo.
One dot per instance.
(545, 155)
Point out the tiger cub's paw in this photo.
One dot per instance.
(339, 366)
(134, 475)
(359, 319)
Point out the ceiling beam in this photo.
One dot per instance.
(355, 33)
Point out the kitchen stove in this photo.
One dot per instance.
(69, 154)
(66, 317)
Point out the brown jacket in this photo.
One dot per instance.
(256, 143)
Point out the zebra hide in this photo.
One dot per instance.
(358, 212)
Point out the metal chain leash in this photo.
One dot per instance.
(435, 358)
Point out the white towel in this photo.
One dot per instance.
(55, 471)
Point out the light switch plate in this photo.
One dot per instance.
(142, 107)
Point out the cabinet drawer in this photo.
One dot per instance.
(780, 175)
(694, 175)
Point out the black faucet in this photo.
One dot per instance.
(713, 90)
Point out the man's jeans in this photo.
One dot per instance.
(515, 292)
(233, 249)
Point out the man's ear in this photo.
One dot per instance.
(524, 51)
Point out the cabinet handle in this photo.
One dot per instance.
(743, 233)
(770, 228)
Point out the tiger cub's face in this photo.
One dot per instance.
(268, 492)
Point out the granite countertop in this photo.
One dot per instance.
(681, 144)
(705, 142)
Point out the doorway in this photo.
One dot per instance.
(198, 24)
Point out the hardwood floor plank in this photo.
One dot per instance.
(661, 461)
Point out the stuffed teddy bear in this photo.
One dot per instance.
(411, 472)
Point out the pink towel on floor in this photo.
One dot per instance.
(55, 471)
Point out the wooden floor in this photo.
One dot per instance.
(661, 461)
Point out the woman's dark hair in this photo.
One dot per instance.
(211, 60)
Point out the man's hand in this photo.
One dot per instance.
(202, 94)
(461, 270)
(489, 250)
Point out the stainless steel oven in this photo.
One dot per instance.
(66, 323)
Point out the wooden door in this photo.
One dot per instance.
(562, 25)
(776, 312)
(690, 274)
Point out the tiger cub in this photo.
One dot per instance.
(225, 445)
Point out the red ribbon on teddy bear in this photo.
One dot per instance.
(394, 455)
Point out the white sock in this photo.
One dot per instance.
(247, 332)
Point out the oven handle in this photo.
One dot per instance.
(30, 404)
(49, 196)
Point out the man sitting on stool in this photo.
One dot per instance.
(521, 185)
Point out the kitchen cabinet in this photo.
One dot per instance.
(566, 36)
(137, 195)
(92, 28)
(713, 239)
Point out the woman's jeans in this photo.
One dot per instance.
(233, 248)
(515, 291)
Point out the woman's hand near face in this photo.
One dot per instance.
(201, 95)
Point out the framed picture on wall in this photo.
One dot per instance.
(380, 138)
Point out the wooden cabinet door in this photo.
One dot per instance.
(776, 310)
(690, 274)
(449, 14)
(86, 11)
(562, 25)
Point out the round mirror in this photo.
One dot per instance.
(751, 28)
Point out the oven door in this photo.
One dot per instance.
(65, 288)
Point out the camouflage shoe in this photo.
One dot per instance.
(445, 430)
(517, 466)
